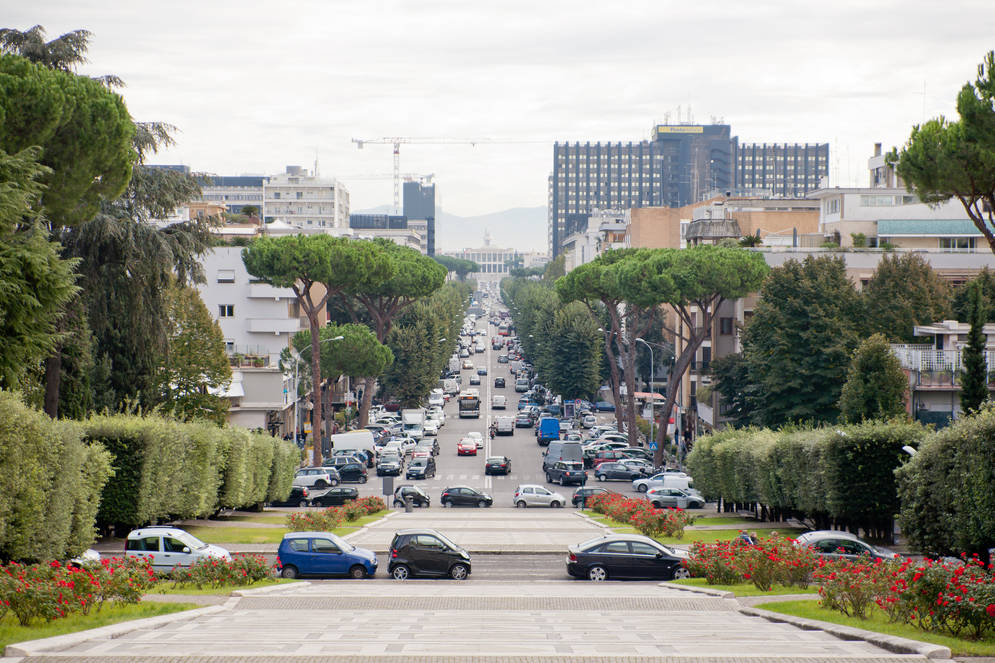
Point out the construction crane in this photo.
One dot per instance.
(397, 140)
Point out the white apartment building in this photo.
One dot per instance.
(258, 321)
(605, 230)
(305, 201)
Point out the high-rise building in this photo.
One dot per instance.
(305, 200)
(679, 165)
(419, 209)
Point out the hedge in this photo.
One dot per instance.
(842, 476)
(286, 459)
(50, 484)
(947, 489)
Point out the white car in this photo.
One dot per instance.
(589, 421)
(477, 437)
(468, 365)
(438, 416)
(169, 547)
(436, 398)
(430, 427)
(534, 495)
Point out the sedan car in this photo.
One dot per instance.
(466, 447)
(616, 471)
(426, 552)
(523, 421)
(502, 359)
(604, 406)
(334, 496)
(482, 370)
(474, 379)
(418, 496)
(834, 544)
(534, 495)
(465, 496)
(323, 554)
(497, 465)
(625, 556)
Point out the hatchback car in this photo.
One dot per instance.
(533, 495)
(317, 477)
(334, 496)
(674, 498)
(497, 465)
(465, 496)
(502, 359)
(426, 552)
(834, 544)
(616, 471)
(499, 383)
(323, 554)
(418, 496)
(604, 406)
(168, 547)
(625, 556)
(420, 468)
(588, 421)
(581, 496)
(299, 496)
(466, 447)
(353, 472)
(523, 421)
(474, 379)
(482, 370)
(430, 427)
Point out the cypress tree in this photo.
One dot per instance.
(974, 375)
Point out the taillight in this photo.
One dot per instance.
(393, 553)
(573, 557)
(305, 492)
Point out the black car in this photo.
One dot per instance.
(611, 471)
(582, 495)
(420, 468)
(625, 556)
(353, 472)
(426, 552)
(299, 496)
(418, 496)
(389, 465)
(499, 383)
(502, 359)
(465, 496)
(334, 496)
(497, 465)
(523, 421)
(566, 471)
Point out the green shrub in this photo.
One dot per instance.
(286, 458)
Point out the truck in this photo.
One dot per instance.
(548, 430)
(359, 440)
(454, 364)
(413, 422)
(450, 387)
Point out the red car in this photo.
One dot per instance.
(466, 447)
(606, 456)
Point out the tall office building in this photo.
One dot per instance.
(679, 165)
(419, 209)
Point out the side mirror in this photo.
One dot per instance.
(659, 555)
(186, 550)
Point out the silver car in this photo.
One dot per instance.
(316, 477)
(663, 498)
(535, 495)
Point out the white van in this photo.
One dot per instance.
(499, 402)
(357, 439)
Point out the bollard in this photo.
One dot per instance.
(407, 503)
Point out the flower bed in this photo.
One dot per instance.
(771, 560)
(642, 515)
(243, 569)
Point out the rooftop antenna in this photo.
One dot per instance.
(316, 162)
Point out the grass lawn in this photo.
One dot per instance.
(878, 622)
(690, 535)
(745, 589)
(189, 590)
(726, 520)
(11, 631)
(249, 534)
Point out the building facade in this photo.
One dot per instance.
(787, 170)
(419, 209)
(236, 192)
(306, 201)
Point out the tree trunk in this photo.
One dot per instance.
(369, 386)
(614, 379)
(315, 389)
(53, 382)
(329, 413)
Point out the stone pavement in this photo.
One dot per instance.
(441, 620)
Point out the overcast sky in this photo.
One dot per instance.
(253, 87)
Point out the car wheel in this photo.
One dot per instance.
(459, 572)
(549, 479)
(520, 504)
(597, 574)
(289, 572)
(320, 484)
(554, 504)
(362, 479)
(335, 482)
(563, 481)
(400, 572)
(680, 573)
(602, 477)
(302, 504)
(446, 503)
(642, 488)
(357, 572)
(481, 504)
(398, 504)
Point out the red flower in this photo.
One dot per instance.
(990, 610)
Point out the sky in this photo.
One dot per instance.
(253, 87)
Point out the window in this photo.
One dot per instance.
(616, 547)
(725, 326)
(169, 544)
(226, 276)
(226, 310)
(639, 548)
(300, 195)
(323, 546)
(956, 243)
(298, 545)
(276, 195)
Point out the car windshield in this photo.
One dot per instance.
(191, 541)
(446, 541)
(343, 545)
(495, 459)
(390, 458)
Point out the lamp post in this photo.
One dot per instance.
(652, 398)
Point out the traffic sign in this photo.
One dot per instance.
(652, 446)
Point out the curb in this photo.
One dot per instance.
(889, 642)
(388, 515)
(584, 516)
(717, 593)
(60, 642)
(270, 589)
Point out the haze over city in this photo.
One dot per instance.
(252, 88)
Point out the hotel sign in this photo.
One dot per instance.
(680, 129)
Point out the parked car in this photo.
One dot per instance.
(604, 406)
(345, 458)
(640, 465)
(420, 468)
(581, 496)
(674, 498)
(353, 472)
(389, 465)
(466, 447)
(497, 465)
(323, 554)
(834, 544)
(418, 496)
(334, 496)
(533, 495)
(465, 496)
(666, 480)
(437, 398)
(566, 472)
(317, 477)
(168, 547)
(588, 421)
(426, 552)
(606, 456)
(616, 471)
(625, 556)
(299, 496)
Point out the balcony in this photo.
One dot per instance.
(274, 325)
(267, 291)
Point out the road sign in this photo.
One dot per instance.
(652, 446)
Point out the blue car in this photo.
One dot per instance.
(323, 554)
(604, 406)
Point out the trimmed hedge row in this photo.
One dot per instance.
(169, 469)
(50, 484)
(842, 476)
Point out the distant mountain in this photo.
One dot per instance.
(522, 228)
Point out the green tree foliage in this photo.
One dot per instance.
(903, 292)
(196, 365)
(461, 268)
(875, 385)
(974, 376)
(962, 296)
(944, 159)
(555, 269)
(35, 283)
(947, 501)
(575, 347)
(799, 342)
(731, 375)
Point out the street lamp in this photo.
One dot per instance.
(652, 398)
(297, 398)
